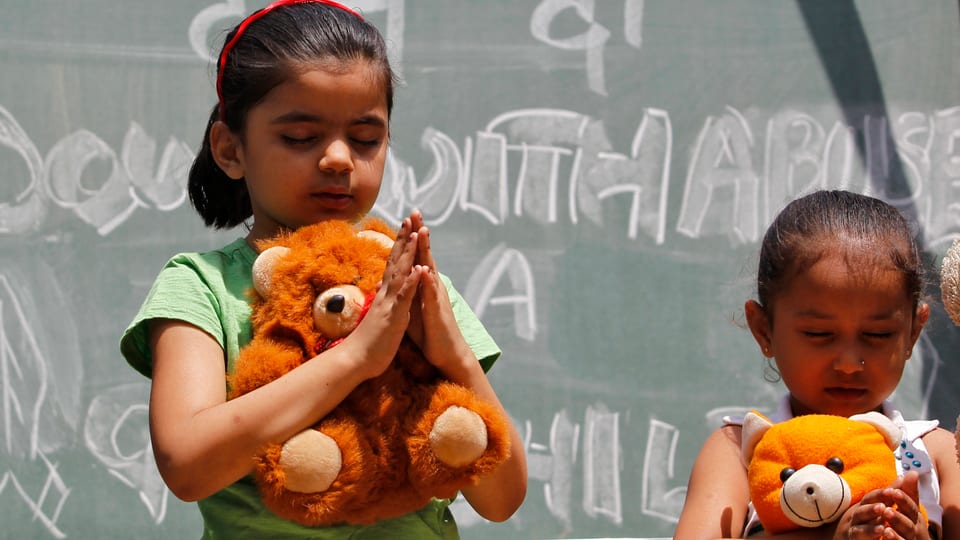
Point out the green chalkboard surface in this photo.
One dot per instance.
(597, 175)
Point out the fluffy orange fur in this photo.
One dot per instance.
(382, 428)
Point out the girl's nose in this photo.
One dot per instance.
(337, 158)
(849, 360)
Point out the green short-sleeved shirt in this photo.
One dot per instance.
(211, 291)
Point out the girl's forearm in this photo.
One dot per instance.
(203, 443)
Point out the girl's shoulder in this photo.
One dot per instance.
(940, 442)
(724, 443)
(237, 252)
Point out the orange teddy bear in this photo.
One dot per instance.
(806, 471)
(397, 440)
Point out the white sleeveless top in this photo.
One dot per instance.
(911, 455)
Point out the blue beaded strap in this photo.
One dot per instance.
(912, 458)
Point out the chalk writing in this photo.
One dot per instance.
(28, 209)
(593, 40)
(603, 462)
(547, 166)
(210, 18)
(553, 463)
(722, 158)
(115, 432)
(211, 21)
(536, 163)
(23, 378)
(661, 496)
(46, 505)
(502, 262)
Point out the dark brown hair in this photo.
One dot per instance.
(795, 239)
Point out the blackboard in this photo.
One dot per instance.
(597, 174)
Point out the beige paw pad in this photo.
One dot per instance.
(310, 461)
(458, 437)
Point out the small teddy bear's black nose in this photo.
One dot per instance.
(335, 303)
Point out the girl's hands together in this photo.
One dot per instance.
(382, 328)
(891, 513)
(433, 326)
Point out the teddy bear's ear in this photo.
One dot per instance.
(263, 268)
(379, 237)
(950, 281)
(884, 425)
(754, 426)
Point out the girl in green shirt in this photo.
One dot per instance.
(299, 135)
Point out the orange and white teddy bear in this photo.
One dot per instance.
(807, 471)
(397, 440)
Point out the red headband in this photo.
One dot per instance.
(253, 17)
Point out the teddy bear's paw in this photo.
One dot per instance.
(310, 461)
(458, 437)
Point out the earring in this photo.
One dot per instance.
(766, 351)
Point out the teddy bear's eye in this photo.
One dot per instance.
(335, 303)
(835, 464)
(787, 472)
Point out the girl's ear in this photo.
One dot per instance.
(919, 320)
(759, 326)
(225, 146)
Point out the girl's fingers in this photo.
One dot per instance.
(416, 219)
(399, 245)
(429, 287)
(402, 255)
(423, 247)
(907, 505)
(910, 484)
(901, 524)
(866, 531)
(408, 288)
(424, 255)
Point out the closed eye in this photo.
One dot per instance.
(297, 140)
(367, 142)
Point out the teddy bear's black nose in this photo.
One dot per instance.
(335, 303)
